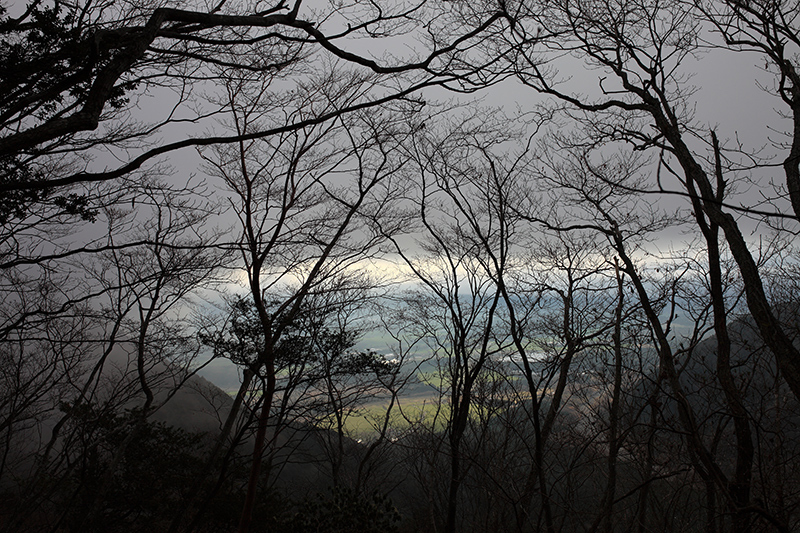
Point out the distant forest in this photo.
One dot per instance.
(473, 266)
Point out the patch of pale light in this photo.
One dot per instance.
(379, 272)
(517, 358)
(383, 271)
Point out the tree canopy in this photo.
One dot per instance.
(476, 266)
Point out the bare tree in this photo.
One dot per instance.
(93, 63)
(643, 47)
(599, 190)
(300, 198)
(126, 339)
(457, 308)
(767, 29)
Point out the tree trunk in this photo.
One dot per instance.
(258, 447)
